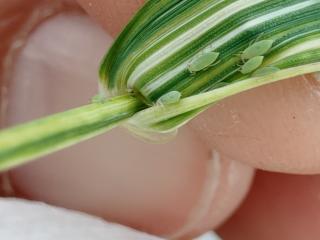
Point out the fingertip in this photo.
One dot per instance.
(274, 127)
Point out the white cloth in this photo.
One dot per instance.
(26, 220)
(209, 236)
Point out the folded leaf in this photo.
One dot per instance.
(199, 51)
(152, 56)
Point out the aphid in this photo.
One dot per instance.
(169, 98)
(257, 49)
(98, 99)
(130, 90)
(203, 61)
(251, 65)
(265, 71)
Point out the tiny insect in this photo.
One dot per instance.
(265, 71)
(98, 99)
(257, 49)
(204, 61)
(251, 65)
(169, 98)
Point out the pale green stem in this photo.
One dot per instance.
(26, 142)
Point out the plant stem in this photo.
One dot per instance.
(28, 141)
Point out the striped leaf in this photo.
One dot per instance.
(151, 56)
(156, 54)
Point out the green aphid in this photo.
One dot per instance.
(257, 49)
(265, 71)
(169, 98)
(98, 99)
(203, 61)
(251, 65)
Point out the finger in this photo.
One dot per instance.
(113, 15)
(274, 127)
(17, 19)
(35, 220)
(173, 189)
(279, 206)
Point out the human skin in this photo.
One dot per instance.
(279, 206)
(178, 189)
(245, 128)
